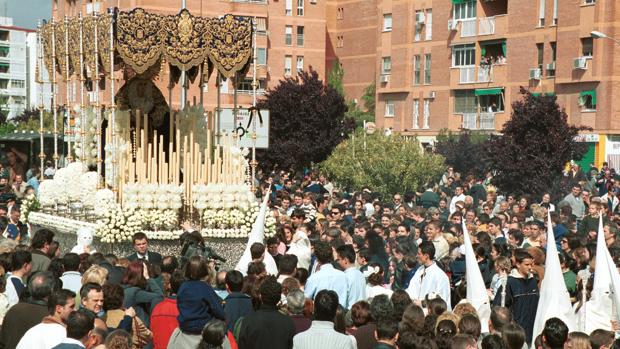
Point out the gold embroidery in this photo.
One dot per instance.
(231, 44)
(183, 40)
(103, 41)
(74, 45)
(138, 38)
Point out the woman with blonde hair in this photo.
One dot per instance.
(578, 340)
(95, 274)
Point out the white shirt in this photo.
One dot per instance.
(373, 291)
(356, 284)
(11, 292)
(454, 200)
(43, 336)
(442, 248)
(430, 279)
(71, 280)
(321, 334)
(73, 341)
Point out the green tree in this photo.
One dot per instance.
(386, 164)
(369, 97)
(354, 112)
(465, 151)
(536, 142)
(336, 77)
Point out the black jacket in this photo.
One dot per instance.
(153, 257)
(522, 299)
(236, 305)
(266, 328)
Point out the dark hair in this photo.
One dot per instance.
(427, 248)
(445, 331)
(412, 320)
(387, 328)
(409, 340)
(41, 237)
(437, 306)
(302, 275)
(134, 275)
(79, 324)
(521, 255)
(347, 252)
(600, 337)
(360, 313)
(492, 341)
(376, 279)
(555, 333)
(375, 244)
(176, 279)
(138, 236)
(58, 297)
(234, 280)
(500, 317)
(462, 341)
(287, 264)
(256, 268)
(325, 305)
(19, 259)
(71, 262)
(364, 253)
(213, 334)
(513, 335)
(270, 291)
(381, 307)
(323, 252)
(87, 287)
(257, 250)
(470, 324)
(196, 268)
(169, 264)
(113, 297)
(42, 284)
(400, 300)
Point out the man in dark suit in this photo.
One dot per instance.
(141, 246)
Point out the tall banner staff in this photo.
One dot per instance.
(115, 152)
(54, 94)
(67, 90)
(82, 82)
(97, 105)
(41, 105)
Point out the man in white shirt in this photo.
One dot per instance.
(429, 278)
(434, 235)
(51, 331)
(458, 196)
(321, 333)
(326, 276)
(22, 265)
(71, 278)
(356, 282)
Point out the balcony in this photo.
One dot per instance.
(481, 74)
(486, 26)
(467, 75)
(468, 27)
(478, 121)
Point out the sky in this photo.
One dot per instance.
(26, 13)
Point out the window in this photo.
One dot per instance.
(587, 47)
(428, 27)
(555, 12)
(261, 25)
(427, 113)
(587, 100)
(223, 84)
(540, 48)
(553, 50)
(300, 63)
(465, 101)
(287, 65)
(340, 41)
(541, 13)
(491, 103)
(288, 35)
(261, 56)
(416, 113)
(427, 68)
(464, 10)
(300, 36)
(589, 2)
(288, 11)
(340, 14)
(419, 15)
(386, 65)
(244, 85)
(387, 22)
(463, 55)
(416, 69)
(18, 83)
(389, 108)
(300, 7)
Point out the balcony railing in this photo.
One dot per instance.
(467, 75)
(486, 26)
(482, 121)
(485, 73)
(468, 27)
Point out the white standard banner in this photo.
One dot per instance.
(245, 126)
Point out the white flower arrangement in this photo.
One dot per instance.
(152, 196)
(88, 140)
(60, 224)
(159, 219)
(105, 202)
(29, 204)
(118, 224)
(163, 234)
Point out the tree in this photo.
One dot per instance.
(387, 164)
(369, 97)
(465, 151)
(336, 77)
(360, 116)
(306, 122)
(536, 143)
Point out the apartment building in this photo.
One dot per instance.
(459, 64)
(290, 37)
(16, 72)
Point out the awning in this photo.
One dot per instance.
(456, 2)
(488, 91)
(547, 94)
(4, 65)
(584, 94)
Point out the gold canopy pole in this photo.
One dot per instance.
(253, 163)
(67, 90)
(83, 126)
(54, 94)
(41, 105)
(97, 105)
(115, 151)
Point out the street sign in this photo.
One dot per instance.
(245, 126)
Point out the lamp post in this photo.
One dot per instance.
(595, 34)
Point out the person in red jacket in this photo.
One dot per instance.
(164, 316)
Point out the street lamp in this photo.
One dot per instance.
(595, 34)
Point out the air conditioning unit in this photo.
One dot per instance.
(432, 94)
(535, 74)
(580, 63)
(452, 24)
(419, 18)
(385, 78)
(551, 66)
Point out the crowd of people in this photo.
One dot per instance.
(350, 270)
